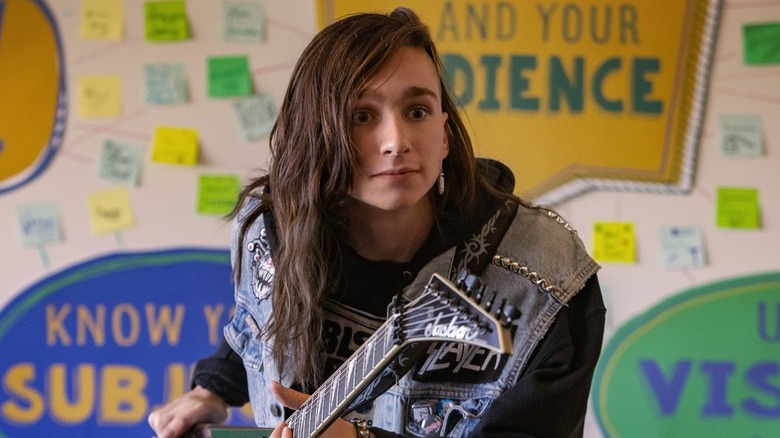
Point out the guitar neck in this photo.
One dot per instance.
(329, 401)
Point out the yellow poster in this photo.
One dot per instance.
(575, 96)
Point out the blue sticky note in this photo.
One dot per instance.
(256, 116)
(39, 223)
(120, 163)
(166, 84)
(682, 247)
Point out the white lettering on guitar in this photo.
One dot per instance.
(451, 330)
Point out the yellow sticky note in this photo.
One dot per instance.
(175, 146)
(614, 242)
(109, 211)
(100, 96)
(102, 19)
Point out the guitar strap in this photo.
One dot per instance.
(476, 252)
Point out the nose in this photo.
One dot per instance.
(395, 136)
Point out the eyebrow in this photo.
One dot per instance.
(410, 92)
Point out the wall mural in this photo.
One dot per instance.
(703, 363)
(96, 347)
(559, 90)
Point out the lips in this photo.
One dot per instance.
(395, 172)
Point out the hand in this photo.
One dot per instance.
(293, 399)
(179, 416)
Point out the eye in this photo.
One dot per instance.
(418, 113)
(361, 117)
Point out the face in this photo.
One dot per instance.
(399, 131)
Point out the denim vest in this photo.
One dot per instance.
(539, 266)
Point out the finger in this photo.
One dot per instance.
(288, 397)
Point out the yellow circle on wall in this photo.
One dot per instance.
(32, 91)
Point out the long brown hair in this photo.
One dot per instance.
(312, 162)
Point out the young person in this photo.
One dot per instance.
(373, 187)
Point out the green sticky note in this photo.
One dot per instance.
(166, 20)
(229, 76)
(738, 208)
(217, 194)
(761, 43)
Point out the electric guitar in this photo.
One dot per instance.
(444, 312)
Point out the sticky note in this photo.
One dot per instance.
(737, 207)
(99, 96)
(175, 146)
(217, 194)
(166, 84)
(166, 20)
(614, 242)
(120, 162)
(109, 211)
(102, 19)
(741, 135)
(229, 76)
(761, 43)
(682, 246)
(243, 21)
(256, 116)
(39, 223)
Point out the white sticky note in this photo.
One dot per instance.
(256, 116)
(39, 223)
(243, 21)
(166, 84)
(682, 247)
(120, 163)
(741, 135)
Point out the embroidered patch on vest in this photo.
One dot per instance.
(262, 266)
(459, 362)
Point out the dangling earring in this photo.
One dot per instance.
(441, 182)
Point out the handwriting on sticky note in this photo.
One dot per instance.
(166, 84)
(217, 194)
(737, 207)
(99, 96)
(243, 21)
(682, 247)
(166, 20)
(614, 242)
(256, 116)
(761, 43)
(229, 76)
(102, 19)
(175, 146)
(741, 135)
(110, 211)
(120, 162)
(39, 223)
